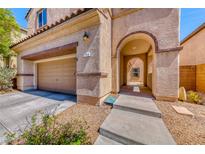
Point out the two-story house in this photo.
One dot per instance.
(93, 52)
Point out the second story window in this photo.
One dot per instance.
(42, 18)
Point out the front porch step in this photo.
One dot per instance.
(137, 104)
(102, 140)
(133, 128)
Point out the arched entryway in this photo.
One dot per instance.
(136, 60)
(134, 71)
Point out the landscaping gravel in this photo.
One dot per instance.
(93, 115)
(184, 129)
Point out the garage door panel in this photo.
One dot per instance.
(58, 75)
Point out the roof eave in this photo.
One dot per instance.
(49, 27)
(27, 14)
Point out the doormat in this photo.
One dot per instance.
(110, 100)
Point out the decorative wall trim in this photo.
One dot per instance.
(98, 74)
(157, 50)
(126, 13)
(22, 74)
(73, 55)
(169, 49)
(53, 52)
(138, 32)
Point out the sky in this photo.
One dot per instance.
(190, 19)
(19, 14)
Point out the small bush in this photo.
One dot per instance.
(194, 97)
(6, 76)
(49, 132)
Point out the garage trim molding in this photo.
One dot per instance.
(56, 58)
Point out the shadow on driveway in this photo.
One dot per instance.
(52, 95)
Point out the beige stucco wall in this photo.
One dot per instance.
(149, 70)
(84, 64)
(167, 75)
(53, 15)
(164, 25)
(137, 61)
(98, 44)
(59, 36)
(193, 50)
(105, 52)
(135, 48)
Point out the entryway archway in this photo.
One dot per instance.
(136, 59)
(134, 71)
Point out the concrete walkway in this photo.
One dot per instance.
(134, 120)
(138, 104)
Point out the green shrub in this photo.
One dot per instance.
(194, 97)
(6, 77)
(50, 132)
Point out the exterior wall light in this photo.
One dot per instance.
(85, 36)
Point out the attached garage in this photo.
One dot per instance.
(57, 75)
(55, 68)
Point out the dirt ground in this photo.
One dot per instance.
(184, 129)
(7, 91)
(93, 115)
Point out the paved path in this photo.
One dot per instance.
(134, 120)
(16, 107)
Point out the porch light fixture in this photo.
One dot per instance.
(85, 36)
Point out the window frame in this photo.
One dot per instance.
(43, 23)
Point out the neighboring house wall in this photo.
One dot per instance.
(12, 60)
(22, 34)
(192, 60)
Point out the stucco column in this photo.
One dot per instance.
(166, 75)
(115, 75)
(25, 74)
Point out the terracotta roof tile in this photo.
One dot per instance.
(77, 12)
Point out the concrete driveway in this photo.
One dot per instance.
(16, 108)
